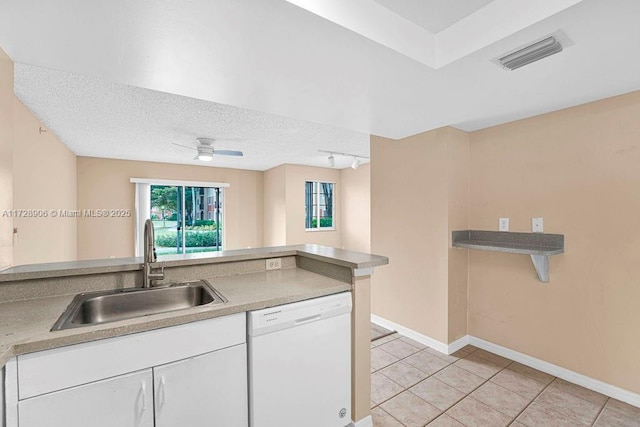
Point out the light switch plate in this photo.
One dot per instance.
(274, 264)
(537, 225)
(503, 224)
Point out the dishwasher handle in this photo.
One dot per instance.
(307, 319)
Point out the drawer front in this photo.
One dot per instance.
(51, 370)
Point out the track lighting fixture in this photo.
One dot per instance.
(356, 163)
(332, 161)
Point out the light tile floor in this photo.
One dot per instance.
(413, 385)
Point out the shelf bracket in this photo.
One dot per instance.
(540, 246)
(541, 263)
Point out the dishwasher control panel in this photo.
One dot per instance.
(288, 315)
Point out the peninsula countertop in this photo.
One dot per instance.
(25, 325)
(339, 257)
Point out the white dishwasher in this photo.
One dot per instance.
(300, 364)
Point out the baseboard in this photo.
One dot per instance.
(422, 339)
(549, 368)
(410, 333)
(458, 344)
(557, 371)
(365, 422)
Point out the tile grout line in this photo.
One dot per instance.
(600, 412)
(465, 355)
(534, 399)
(466, 394)
(582, 398)
(399, 360)
(444, 412)
(469, 394)
(401, 423)
(429, 376)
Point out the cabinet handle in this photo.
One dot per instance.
(144, 396)
(163, 392)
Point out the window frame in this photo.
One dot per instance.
(142, 211)
(317, 208)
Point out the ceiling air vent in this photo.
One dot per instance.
(532, 53)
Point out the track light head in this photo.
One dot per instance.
(356, 163)
(332, 161)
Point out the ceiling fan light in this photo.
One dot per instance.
(205, 153)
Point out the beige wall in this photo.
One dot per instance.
(295, 193)
(355, 202)
(37, 172)
(410, 215)
(44, 177)
(104, 184)
(284, 205)
(275, 206)
(6, 159)
(458, 219)
(579, 169)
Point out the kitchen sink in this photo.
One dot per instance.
(93, 308)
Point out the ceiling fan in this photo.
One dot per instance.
(206, 151)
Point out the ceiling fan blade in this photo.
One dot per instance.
(228, 153)
(183, 146)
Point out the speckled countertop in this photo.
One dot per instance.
(26, 325)
(341, 257)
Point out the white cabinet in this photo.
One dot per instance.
(188, 375)
(204, 391)
(121, 401)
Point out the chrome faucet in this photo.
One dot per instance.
(149, 275)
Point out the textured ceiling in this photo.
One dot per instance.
(201, 56)
(434, 15)
(102, 119)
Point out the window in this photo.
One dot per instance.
(181, 220)
(319, 205)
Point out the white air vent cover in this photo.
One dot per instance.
(533, 52)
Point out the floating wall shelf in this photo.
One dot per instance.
(538, 245)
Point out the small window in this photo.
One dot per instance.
(319, 205)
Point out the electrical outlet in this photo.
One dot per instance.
(503, 224)
(274, 264)
(537, 225)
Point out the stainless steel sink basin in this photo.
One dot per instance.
(94, 308)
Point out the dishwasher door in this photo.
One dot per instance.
(300, 364)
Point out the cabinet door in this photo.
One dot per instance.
(208, 390)
(124, 401)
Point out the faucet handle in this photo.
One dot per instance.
(160, 275)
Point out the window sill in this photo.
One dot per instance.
(314, 230)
